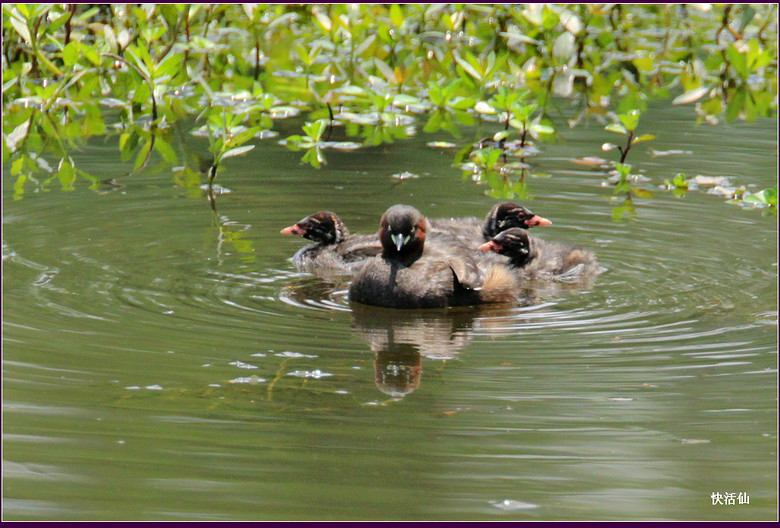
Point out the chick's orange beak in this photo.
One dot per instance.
(537, 220)
(293, 230)
(491, 246)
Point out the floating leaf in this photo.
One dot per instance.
(591, 161)
(238, 151)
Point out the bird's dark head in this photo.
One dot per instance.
(508, 215)
(323, 227)
(514, 243)
(402, 231)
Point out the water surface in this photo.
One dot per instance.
(162, 361)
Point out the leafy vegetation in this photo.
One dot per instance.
(363, 75)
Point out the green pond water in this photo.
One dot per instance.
(165, 362)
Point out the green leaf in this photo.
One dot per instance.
(165, 150)
(169, 64)
(22, 29)
(616, 127)
(93, 122)
(323, 20)
(243, 137)
(396, 16)
(542, 129)
(498, 136)
(141, 58)
(770, 195)
(738, 61)
(17, 166)
(630, 120)
(303, 54)
(643, 137)
(314, 157)
(315, 130)
(91, 54)
(19, 186)
(365, 44)
(386, 70)
(468, 68)
(736, 103)
(66, 174)
(641, 193)
(142, 93)
(57, 23)
(128, 141)
(462, 103)
(142, 154)
(764, 197)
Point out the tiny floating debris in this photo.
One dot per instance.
(216, 189)
(248, 379)
(316, 374)
(406, 175)
(241, 364)
(672, 152)
(512, 505)
(289, 354)
(694, 441)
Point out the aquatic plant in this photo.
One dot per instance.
(151, 73)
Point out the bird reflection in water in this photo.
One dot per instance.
(401, 338)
